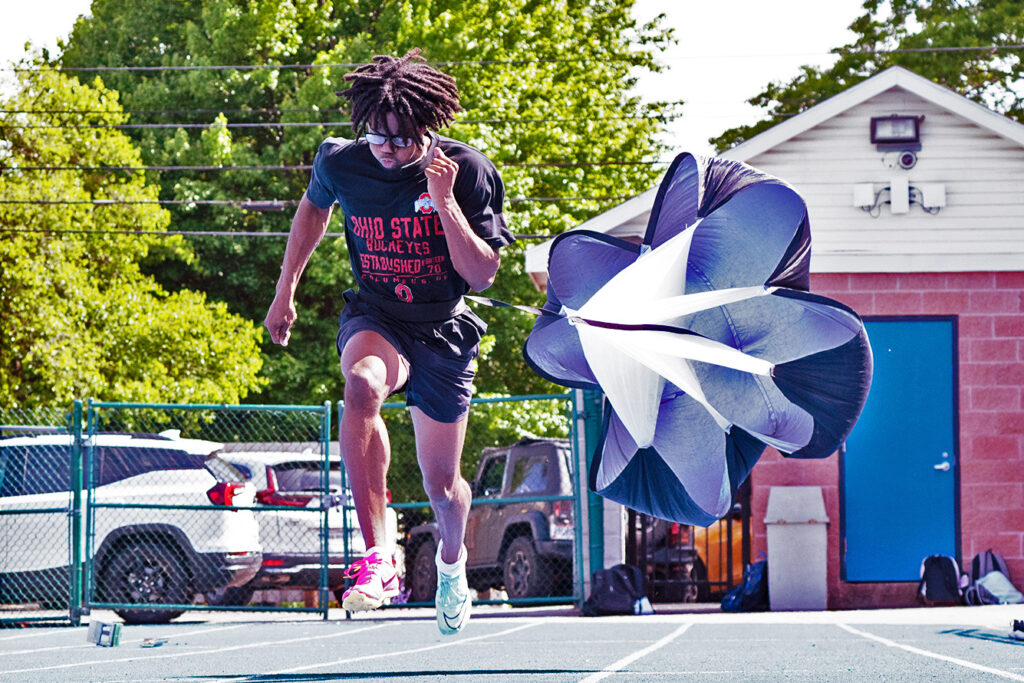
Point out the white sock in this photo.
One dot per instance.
(384, 551)
(455, 568)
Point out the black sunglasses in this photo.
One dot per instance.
(396, 140)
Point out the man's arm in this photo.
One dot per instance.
(308, 228)
(475, 260)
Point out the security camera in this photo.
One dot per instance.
(907, 159)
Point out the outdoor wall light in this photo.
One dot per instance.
(898, 131)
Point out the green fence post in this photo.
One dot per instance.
(344, 501)
(578, 486)
(325, 507)
(75, 608)
(595, 504)
(90, 510)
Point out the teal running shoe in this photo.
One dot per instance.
(452, 601)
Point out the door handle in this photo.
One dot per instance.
(942, 467)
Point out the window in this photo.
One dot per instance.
(223, 470)
(31, 470)
(306, 476)
(530, 475)
(117, 464)
(492, 477)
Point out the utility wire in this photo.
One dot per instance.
(293, 124)
(258, 204)
(642, 110)
(201, 233)
(493, 62)
(342, 65)
(307, 167)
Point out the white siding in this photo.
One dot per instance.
(980, 228)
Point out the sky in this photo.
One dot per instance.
(727, 51)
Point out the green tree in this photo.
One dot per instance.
(903, 32)
(542, 84)
(79, 318)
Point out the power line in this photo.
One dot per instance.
(952, 48)
(341, 65)
(293, 124)
(307, 167)
(202, 233)
(496, 62)
(259, 204)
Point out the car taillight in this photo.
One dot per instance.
(563, 512)
(678, 534)
(223, 493)
(269, 497)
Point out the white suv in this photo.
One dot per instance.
(149, 554)
(290, 535)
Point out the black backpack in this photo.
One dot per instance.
(618, 590)
(752, 594)
(940, 581)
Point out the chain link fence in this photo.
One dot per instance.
(196, 507)
(521, 536)
(39, 523)
(151, 510)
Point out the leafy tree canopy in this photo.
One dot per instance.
(544, 85)
(900, 32)
(79, 318)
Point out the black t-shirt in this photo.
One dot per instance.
(395, 239)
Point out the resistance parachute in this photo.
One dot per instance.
(704, 340)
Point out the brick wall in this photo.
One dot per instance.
(990, 310)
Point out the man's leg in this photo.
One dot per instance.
(439, 450)
(373, 369)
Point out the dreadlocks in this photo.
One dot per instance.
(419, 96)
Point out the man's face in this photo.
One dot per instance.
(388, 154)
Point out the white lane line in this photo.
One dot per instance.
(36, 633)
(626, 661)
(195, 653)
(394, 653)
(933, 655)
(87, 645)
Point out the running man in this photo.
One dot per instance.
(423, 224)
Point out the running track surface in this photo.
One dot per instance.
(937, 644)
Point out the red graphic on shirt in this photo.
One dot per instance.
(403, 293)
(424, 204)
(403, 252)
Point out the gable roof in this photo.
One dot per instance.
(637, 209)
(894, 76)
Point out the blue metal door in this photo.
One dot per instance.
(899, 470)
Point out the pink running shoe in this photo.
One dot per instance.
(376, 580)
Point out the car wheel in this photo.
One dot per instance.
(699, 576)
(423, 576)
(525, 575)
(235, 596)
(145, 572)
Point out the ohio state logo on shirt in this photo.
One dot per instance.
(403, 292)
(424, 204)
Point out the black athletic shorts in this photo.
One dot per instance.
(440, 356)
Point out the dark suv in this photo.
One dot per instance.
(524, 546)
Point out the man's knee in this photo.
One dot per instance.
(365, 389)
(444, 491)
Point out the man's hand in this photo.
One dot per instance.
(441, 177)
(280, 318)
